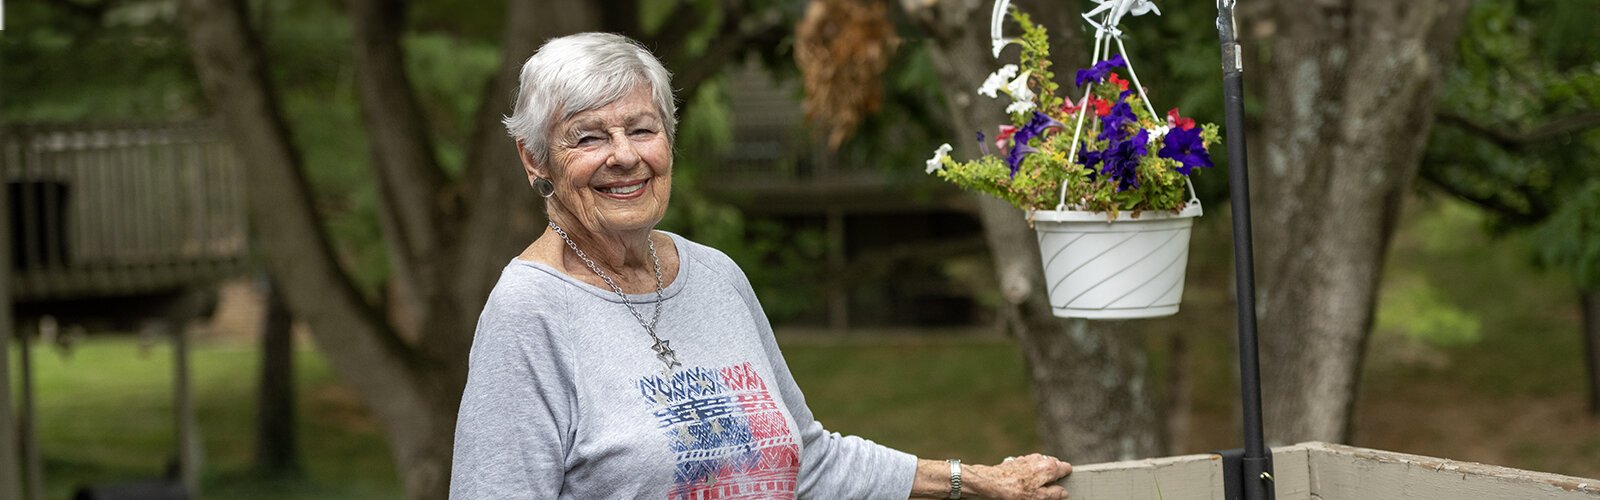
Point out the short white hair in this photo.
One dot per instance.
(583, 72)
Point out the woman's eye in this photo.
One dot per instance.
(643, 132)
(588, 140)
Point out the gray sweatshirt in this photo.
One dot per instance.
(565, 398)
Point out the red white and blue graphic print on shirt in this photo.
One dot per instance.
(730, 438)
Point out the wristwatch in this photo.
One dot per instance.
(955, 478)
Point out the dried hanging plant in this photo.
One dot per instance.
(843, 48)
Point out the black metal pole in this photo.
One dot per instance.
(1257, 464)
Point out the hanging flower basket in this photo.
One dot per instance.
(1123, 269)
(1104, 179)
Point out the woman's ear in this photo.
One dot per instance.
(533, 169)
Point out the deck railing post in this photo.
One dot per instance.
(10, 463)
(183, 405)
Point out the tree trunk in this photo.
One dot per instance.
(276, 453)
(1590, 305)
(418, 413)
(1179, 402)
(1087, 376)
(1349, 88)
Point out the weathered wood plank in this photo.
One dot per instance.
(1341, 472)
(1323, 471)
(1197, 477)
(1187, 477)
(1291, 470)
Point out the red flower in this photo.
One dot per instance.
(1006, 131)
(1175, 121)
(1101, 107)
(1119, 82)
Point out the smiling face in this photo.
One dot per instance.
(611, 167)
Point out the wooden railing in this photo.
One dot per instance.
(109, 210)
(1322, 471)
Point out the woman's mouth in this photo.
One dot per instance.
(624, 191)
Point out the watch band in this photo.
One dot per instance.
(955, 478)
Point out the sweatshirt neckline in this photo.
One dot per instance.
(684, 258)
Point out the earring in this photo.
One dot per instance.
(544, 187)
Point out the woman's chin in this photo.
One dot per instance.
(627, 225)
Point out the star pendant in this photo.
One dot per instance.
(665, 353)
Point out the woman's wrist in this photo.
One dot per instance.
(933, 480)
(976, 481)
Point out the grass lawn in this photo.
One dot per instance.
(1475, 356)
(105, 415)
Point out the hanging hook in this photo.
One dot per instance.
(1116, 9)
(996, 19)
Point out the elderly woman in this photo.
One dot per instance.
(617, 361)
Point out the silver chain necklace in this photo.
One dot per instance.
(662, 348)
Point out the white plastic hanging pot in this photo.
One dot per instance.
(1124, 269)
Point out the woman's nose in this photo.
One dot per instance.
(623, 153)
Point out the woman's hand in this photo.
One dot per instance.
(1031, 477)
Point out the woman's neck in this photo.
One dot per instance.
(625, 257)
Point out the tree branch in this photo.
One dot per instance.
(231, 67)
(682, 21)
(739, 33)
(409, 179)
(1513, 139)
(1497, 204)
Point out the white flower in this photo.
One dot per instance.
(1157, 133)
(1018, 88)
(1019, 107)
(937, 162)
(992, 84)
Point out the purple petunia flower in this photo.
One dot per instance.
(1088, 158)
(1121, 160)
(1100, 70)
(1114, 126)
(1186, 147)
(1018, 151)
(1019, 147)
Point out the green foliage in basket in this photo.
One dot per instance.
(1126, 157)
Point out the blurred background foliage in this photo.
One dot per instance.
(1517, 134)
(126, 60)
(1519, 129)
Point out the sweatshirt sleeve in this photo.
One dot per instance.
(831, 465)
(514, 428)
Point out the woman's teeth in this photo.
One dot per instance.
(623, 189)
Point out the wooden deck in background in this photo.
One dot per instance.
(125, 209)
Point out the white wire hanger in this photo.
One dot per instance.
(1110, 13)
